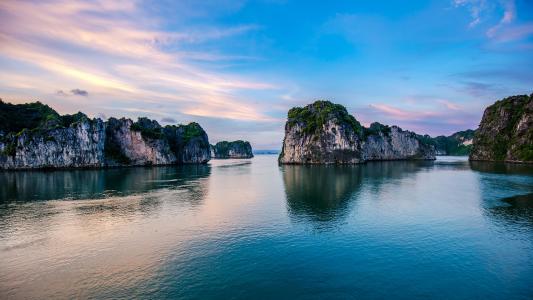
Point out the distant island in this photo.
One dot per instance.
(235, 149)
(458, 144)
(265, 152)
(35, 136)
(325, 133)
(506, 131)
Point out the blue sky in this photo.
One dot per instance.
(236, 67)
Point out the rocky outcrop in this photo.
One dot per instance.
(235, 149)
(459, 143)
(45, 139)
(324, 133)
(81, 144)
(506, 131)
(189, 143)
(140, 143)
(382, 142)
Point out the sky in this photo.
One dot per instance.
(236, 67)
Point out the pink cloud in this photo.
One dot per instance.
(101, 45)
(422, 121)
(449, 105)
(509, 14)
(401, 114)
(512, 33)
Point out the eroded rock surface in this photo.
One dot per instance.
(325, 133)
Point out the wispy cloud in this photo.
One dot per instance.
(450, 105)
(433, 121)
(102, 45)
(510, 33)
(505, 29)
(476, 7)
(401, 114)
(509, 14)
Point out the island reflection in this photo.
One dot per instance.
(324, 193)
(21, 186)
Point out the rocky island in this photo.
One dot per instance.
(458, 144)
(506, 131)
(325, 133)
(34, 136)
(235, 149)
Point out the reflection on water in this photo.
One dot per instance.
(515, 213)
(240, 228)
(102, 183)
(320, 192)
(501, 168)
(323, 193)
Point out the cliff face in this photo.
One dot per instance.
(324, 133)
(134, 146)
(506, 131)
(395, 144)
(235, 149)
(79, 145)
(321, 132)
(189, 143)
(47, 140)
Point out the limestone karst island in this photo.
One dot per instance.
(266, 149)
(35, 136)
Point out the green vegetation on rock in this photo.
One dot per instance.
(313, 116)
(376, 128)
(149, 129)
(235, 149)
(192, 130)
(34, 118)
(16, 117)
(506, 131)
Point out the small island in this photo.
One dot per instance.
(325, 133)
(235, 149)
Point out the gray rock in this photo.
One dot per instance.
(324, 133)
(79, 145)
(134, 147)
(396, 145)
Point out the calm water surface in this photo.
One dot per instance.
(250, 229)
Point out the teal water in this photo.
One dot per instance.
(250, 229)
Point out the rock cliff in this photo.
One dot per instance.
(325, 133)
(235, 149)
(34, 136)
(81, 144)
(506, 131)
(382, 142)
(189, 143)
(139, 143)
